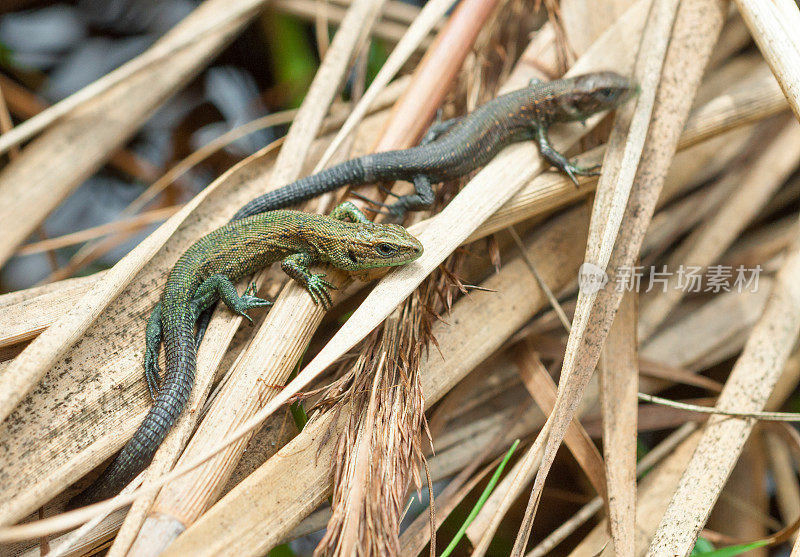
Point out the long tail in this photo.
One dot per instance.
(349, 172)
(136, 455)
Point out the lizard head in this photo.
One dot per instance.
(596, 92)
(372, 245)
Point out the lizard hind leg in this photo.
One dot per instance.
(153, 336)
(422, 199)
(220, 287)
(438, 128)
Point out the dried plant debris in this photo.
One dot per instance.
(648, 318)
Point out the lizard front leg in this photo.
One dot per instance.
(348, 212)
(297, 267)
(561, 162)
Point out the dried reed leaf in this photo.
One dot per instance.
(652, 458)
(619, 383)
(695, 341)
(761, 178)
(612, 210)
(656, 490)
(652, 498)
(91, 131)
(131, 224)
(734, 37)
(774, 28)
(392, 26)
(27, 313)
(585, 20)
(747, 389)
(426, 20)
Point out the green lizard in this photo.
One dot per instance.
(206, 272)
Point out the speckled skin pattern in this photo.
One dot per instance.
(205, 273)
(456, 147)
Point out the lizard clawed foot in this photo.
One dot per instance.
(388, 192)
(365, 199)
(246, 302)
(379, 212)
(318, 288)
(251, 289)
(573, 170)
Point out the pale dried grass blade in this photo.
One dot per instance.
(130, 224)
(703, 332)
(652, 458)
(619, 383)
(23, 320)
(652, 498)
(585, 20)
(747, 389)
(392, 26)
(779, 45)
(627, 146)
(58, 161)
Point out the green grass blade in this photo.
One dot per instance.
(481, 500)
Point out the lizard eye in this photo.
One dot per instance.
(386, 249)
(606, 92)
